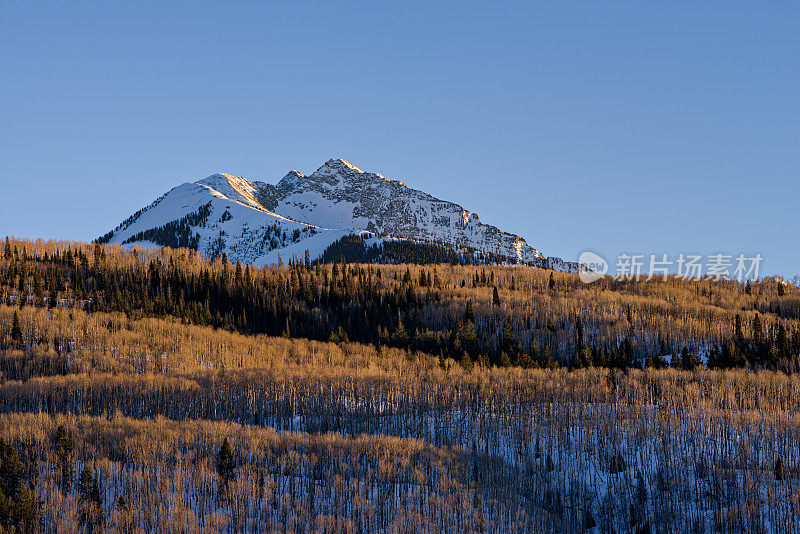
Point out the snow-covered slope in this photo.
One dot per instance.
(340, 195)
(233, 187)
(254, 221)
(219, 215)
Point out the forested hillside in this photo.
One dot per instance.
(152, 390)
(492, 315)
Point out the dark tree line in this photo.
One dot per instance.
(178, 233)
(352, 249)
(19, 503)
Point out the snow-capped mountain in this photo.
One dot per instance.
(340, 195)
(254, 221)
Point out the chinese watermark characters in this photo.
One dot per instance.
(719, 266)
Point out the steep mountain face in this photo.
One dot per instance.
(340, 195)
(253, 221)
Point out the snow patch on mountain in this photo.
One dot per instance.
(255, 221)
(340, 195)
(233, 187)
(234, 225)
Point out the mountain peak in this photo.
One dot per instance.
(218, 178)
(291, 180)
(232, 187)
(333, 166)
(333, 170)
(313, 211)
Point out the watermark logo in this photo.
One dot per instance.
(637, 267)
(592, 267)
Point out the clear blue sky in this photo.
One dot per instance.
(660, 127)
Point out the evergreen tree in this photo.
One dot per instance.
(782, 344)
(10, 470)
(16, 330)
(509, 343)
(18, 506)
(466, 362)
(495, 297)
(91, 498)
(689, 359)
(469, 314)
(37, 286)
(780, 470)
(547, 359)
(26, 511)
(757, 330)
(467, 337)
(85, 482)
(525, 361)
(225, 463)
(583, 355)
(6, 505)
(238, 275)
(578, 332)
(533, 353)
(399, 336)
(64, 444)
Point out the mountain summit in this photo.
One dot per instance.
(254, 222)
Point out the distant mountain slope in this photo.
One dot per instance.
(254, 222)
(340, 195)
(219, 215)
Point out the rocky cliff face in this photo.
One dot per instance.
(340, 195)
(255, 221)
